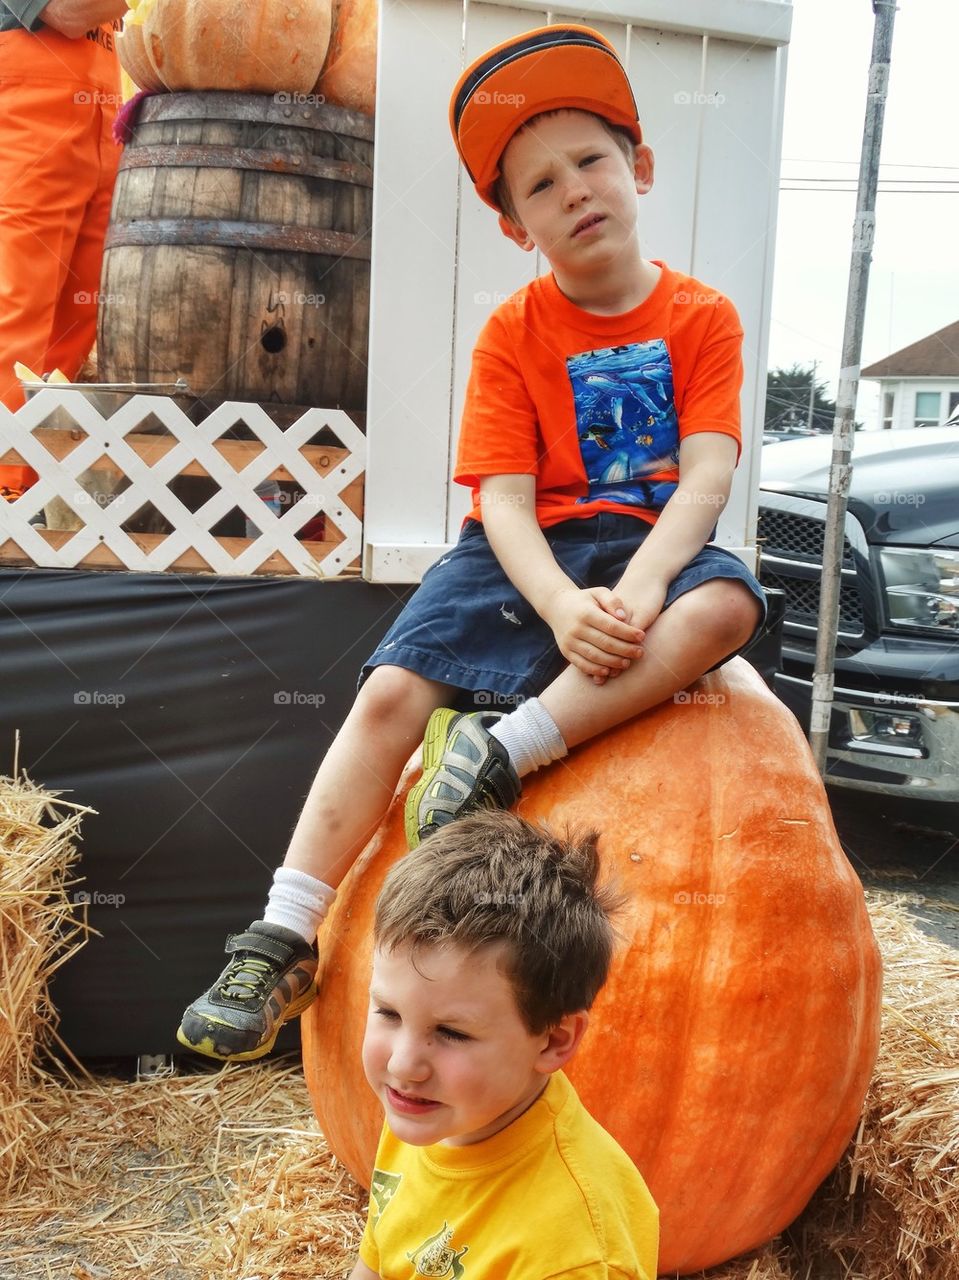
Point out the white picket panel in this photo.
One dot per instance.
(415, 202)
(734, 243)
(711, 212)
(60, 478)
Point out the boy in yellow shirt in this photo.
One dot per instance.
(491, 942)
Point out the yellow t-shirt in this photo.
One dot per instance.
(550, 1197)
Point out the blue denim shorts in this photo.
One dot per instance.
(467, 625)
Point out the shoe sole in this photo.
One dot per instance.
(207, 1046)
(434, 745)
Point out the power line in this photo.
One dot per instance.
(853, 164)
(899, 182)
(894, 191)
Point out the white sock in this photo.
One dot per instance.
(298, 901)
(530, 737)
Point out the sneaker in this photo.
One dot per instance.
(270, 979)
(464, 768)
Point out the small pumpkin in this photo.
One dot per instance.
(348, 78)
(249, 46)
(730, 1051)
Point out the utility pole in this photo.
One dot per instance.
(840, 472)
(812, 394)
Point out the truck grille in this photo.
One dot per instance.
(802, 601)
(790, 536)
(796, 537)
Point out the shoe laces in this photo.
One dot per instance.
(246, 978)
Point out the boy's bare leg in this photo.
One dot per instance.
(358, 775)
(270, 976)
(695, 632)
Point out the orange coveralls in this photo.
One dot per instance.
(58, 163)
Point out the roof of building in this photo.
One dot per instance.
(934, 357)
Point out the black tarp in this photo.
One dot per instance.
(191, 713)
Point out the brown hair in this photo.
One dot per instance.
(495, 878)
(622, 137)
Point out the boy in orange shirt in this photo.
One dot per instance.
(600, 435)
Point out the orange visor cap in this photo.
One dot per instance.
(546, 69)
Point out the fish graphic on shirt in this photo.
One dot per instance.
(626, 422)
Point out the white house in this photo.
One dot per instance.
(919, 385)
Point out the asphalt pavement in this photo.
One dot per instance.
(906, 846)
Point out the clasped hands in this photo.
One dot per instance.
(597, 631)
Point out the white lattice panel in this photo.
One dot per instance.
(68, 478)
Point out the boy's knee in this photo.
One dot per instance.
(391, 693)
(739, 613)
(728, 609)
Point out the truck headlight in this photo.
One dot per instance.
(922, 588)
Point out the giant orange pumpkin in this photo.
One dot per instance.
(132, 52)
(348, 78)
(251, 46)
(730, 1051)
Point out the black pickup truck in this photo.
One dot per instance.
(895, 719)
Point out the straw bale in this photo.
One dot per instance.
(221, 1173)
(891, 1210)
(770, 1263)
(208, 1176)
(38, 932)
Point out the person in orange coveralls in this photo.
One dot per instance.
(59, 94)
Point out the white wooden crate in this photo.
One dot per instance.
(708, 76)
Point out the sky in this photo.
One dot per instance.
(914, 277)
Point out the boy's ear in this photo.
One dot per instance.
(562, 1041)
(643, 168)
(513, 231)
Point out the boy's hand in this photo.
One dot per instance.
(593, 631)
(645, 601)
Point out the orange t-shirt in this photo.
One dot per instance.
(595, 406)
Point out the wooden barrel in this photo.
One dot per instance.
(238, 252)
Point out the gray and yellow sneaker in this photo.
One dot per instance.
(270, 979)
(464, 768)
